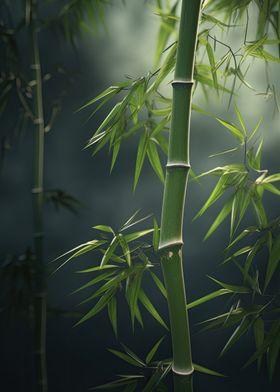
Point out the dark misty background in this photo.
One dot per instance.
(77, 357)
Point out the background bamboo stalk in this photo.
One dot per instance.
(40, 294)
(177, 170)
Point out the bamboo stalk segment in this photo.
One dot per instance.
(177, 169)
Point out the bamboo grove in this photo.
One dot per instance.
(191, 44)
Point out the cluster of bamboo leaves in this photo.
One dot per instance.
(143, 108)
(254, 250)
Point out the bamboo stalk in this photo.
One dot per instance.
(177, 169)
(40, 294)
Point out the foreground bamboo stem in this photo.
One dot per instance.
(177, 169)
(37, 192)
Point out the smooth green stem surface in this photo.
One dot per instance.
(177, 169)
(38, 195)
(183, 383)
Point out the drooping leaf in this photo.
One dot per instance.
(150, 308)
(153, 350)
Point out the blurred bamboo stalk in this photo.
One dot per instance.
(40, 289)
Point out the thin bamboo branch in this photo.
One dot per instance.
(40, 294)
(177, 169)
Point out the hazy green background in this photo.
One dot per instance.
(77, 357)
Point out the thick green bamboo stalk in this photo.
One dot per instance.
(40, 294)
(177, 169)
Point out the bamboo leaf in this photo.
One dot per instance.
(240, 120)
(212, 62)
(109, 251)
(133, 355)
(155, 235)
(208, 297)
(234, 130)
(150, 308)
(112, 313)
(103, 301)
(220, 218)
(99, 268)
(230, 287)
(243, 327)
(155, 160)
(97, 279)
(273, 262)
(138, 234)
(153, 351)
(204, 370)
(132, 293)
(141, 153)
(125, 248)
(159, 284)
(105, 228)
(259, 336)
(126, 358)
(217, 192)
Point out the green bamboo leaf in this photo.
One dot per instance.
(162, 142)
(273, 262)
(204, 370)
(259, 336)
(150, 308)
(125, 248)
(217, 192)
(271, 188)
(259, 211)
(97, 279)
(166, 29)
(272, 178)
(112, 313)
(155, 160)
(80, 249)
(220, 218)
(103, 301)
(155, 235)
(105, 228)
(159, 284)
(212, 62)
(130, 380)
(138, 316)
(243, 327)
(239, 252)
(273, 354)
(132, 293)
(111, 284)
(126, 358)
(243, 234)
(208, 297)
(268, 341)
(109, 251)
(129, 221)
(234, 130)
(99, 268)
(141, 153)
(264, 55)
(138, 234)
(240, 119)
(133, 355)
(231, 287)
(255, 129)
(154, 349)
(116, 150)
